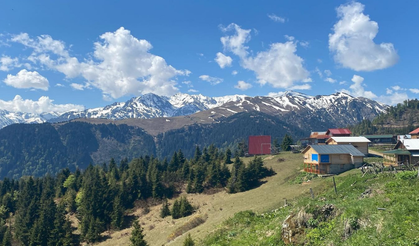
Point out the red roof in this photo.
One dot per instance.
(339, 131)
(414, 131)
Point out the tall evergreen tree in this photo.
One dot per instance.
(137, 237)
(188, 241)
(286, 143)
(227, 158)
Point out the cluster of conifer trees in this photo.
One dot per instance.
(98, 197)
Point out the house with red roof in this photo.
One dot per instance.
(414, 134)
(338, 132)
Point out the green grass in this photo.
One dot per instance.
(387, 216)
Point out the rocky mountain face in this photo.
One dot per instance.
(8, 118)
(337, 109)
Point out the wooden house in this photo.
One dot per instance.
(414, 134)
(318, 138)
(361, 143)
(381, 139)
(405, 152)
(338, 132)
(331, 159)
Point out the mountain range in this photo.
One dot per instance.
(151, 106)
(155, 125)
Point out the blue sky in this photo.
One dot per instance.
(61, 55)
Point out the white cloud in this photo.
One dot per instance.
(317, 70)
(25, 79)
(78, 87)
(276, 18)
(330, 80)
(328, 73)
(121, 64)
(389, 91)
(353, 41)
(235, 43)
(43, 105)
(59, 85)
(300, 87)
(414, 90)
(305, 44)
(211, 80)
(342, 83)
(234, 72)
(241, 85)
(396, 88)
(192, 91)
(319, 60)
(223, 60)
(7, 63)
(393, 99)
(279, 66)
(357, 88)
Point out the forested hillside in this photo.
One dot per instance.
(35, 150)
(399, 119)
(35, 211)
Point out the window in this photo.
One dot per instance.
(315, 157)
(324, 158)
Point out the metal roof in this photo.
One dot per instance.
(416, 131)
(336, 149)
(338, 131)
(411, 144)
(396, 152)
(415, 153)
(350, 140)
(378, 136)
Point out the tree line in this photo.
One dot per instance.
(37, 211)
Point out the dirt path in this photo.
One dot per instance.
(373, 152)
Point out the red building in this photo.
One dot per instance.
(339, 132)
(259, 145)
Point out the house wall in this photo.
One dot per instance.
(307, 156)
(340, 168)
(415, 159)
(414, 136)
(363, 147)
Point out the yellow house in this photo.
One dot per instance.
(361, 143)
(406, 151)
(331, 159)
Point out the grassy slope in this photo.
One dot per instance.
(395, 223)
(221, 206)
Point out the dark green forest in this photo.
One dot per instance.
(35, 211)
(38, 149)
(399, 119)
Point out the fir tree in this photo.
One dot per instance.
(286, 143)
(227, 158)
(165, 211)
(176, 213)
(137, 237)
(186, 208)
(188, 241)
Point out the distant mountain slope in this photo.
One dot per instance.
(8, 118)
(399, 119)
(151, 106)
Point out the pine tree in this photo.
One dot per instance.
(227, 158)
(286, 143)
(188, 241)
(7, 238)
(176, 210)
(137, 237)
(165, 211)
(186, 208)
(117, 213)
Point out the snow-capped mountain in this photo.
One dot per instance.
(8, 118)
(339, 108)
(152, 106)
